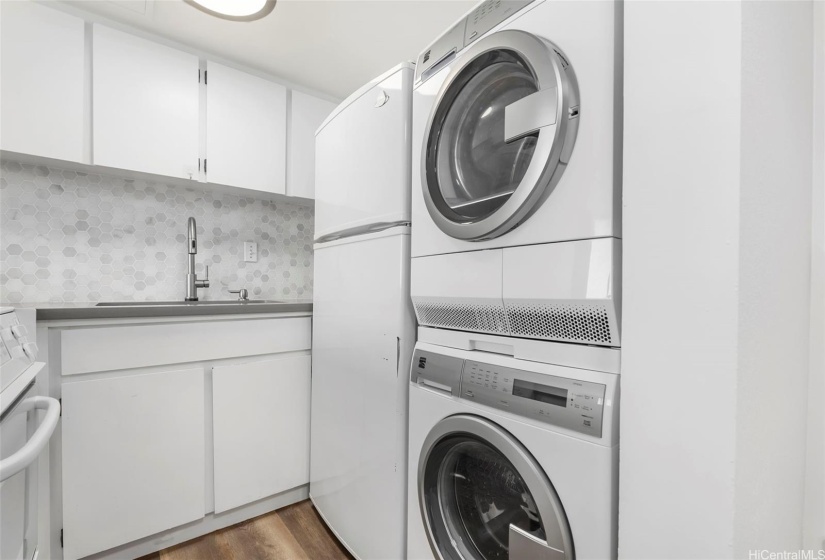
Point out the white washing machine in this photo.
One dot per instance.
(517, 172)
(510, 459)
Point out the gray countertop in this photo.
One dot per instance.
(49, 311)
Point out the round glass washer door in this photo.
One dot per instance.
(500, 133)
(484, 497)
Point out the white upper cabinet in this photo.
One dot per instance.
(138, 105)
(41, 81)
(245, 130)
(307, 113)
(145, 105)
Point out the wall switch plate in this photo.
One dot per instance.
(250, 251)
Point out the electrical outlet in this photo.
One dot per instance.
(250, 251)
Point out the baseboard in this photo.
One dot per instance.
(209, 523)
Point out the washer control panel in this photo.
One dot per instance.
(568, 403)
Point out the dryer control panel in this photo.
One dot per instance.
(566, 402)
(488, 14)
(482, 19)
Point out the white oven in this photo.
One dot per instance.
(27, 421)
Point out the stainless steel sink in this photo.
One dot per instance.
(183, 303)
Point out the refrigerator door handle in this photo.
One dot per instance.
(360, 230)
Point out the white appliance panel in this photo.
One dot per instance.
(568, 292)
(472, 275)
(362, 159)
(363, 333)
(24, 434)
(13, 490)
(564, 291)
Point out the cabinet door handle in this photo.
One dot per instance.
(29, 452)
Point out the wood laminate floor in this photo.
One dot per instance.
(295, 532)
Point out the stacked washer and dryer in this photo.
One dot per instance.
(515, 281)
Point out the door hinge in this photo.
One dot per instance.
(199, 75)
(205, 77)
(199, 165)
(61, 538)
(204, 165)
(60, 400)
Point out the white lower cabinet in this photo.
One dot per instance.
(261, 429)
(159, 444)
(133, 457)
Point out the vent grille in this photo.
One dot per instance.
(577, 321)
(567, 322)
(463, 316)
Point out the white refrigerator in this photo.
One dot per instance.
(363, 322)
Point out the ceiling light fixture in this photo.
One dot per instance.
(234, 10)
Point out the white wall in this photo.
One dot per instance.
(717, 185)
(680, 283)
(815, 481)
(774, 274)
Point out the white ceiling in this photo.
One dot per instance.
(330, 46)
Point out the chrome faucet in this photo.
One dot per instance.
(192, 282)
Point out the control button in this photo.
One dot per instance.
(30, 348)
(17, 352)
(19, 331)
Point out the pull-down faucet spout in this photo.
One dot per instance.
(192, 238)
(192, 282)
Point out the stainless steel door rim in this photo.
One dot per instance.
(558, 537)
(550, 114)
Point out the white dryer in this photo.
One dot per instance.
(510, 459)
(517, 172)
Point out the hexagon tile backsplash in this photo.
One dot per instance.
(67, 236)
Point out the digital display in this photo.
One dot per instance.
(541, 393)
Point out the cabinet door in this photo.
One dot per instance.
(261, 429)
(145, 105)
(133, 458)
(245, 130)
(306, 115)
(41, 81)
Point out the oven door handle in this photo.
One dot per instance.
(29, 452)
